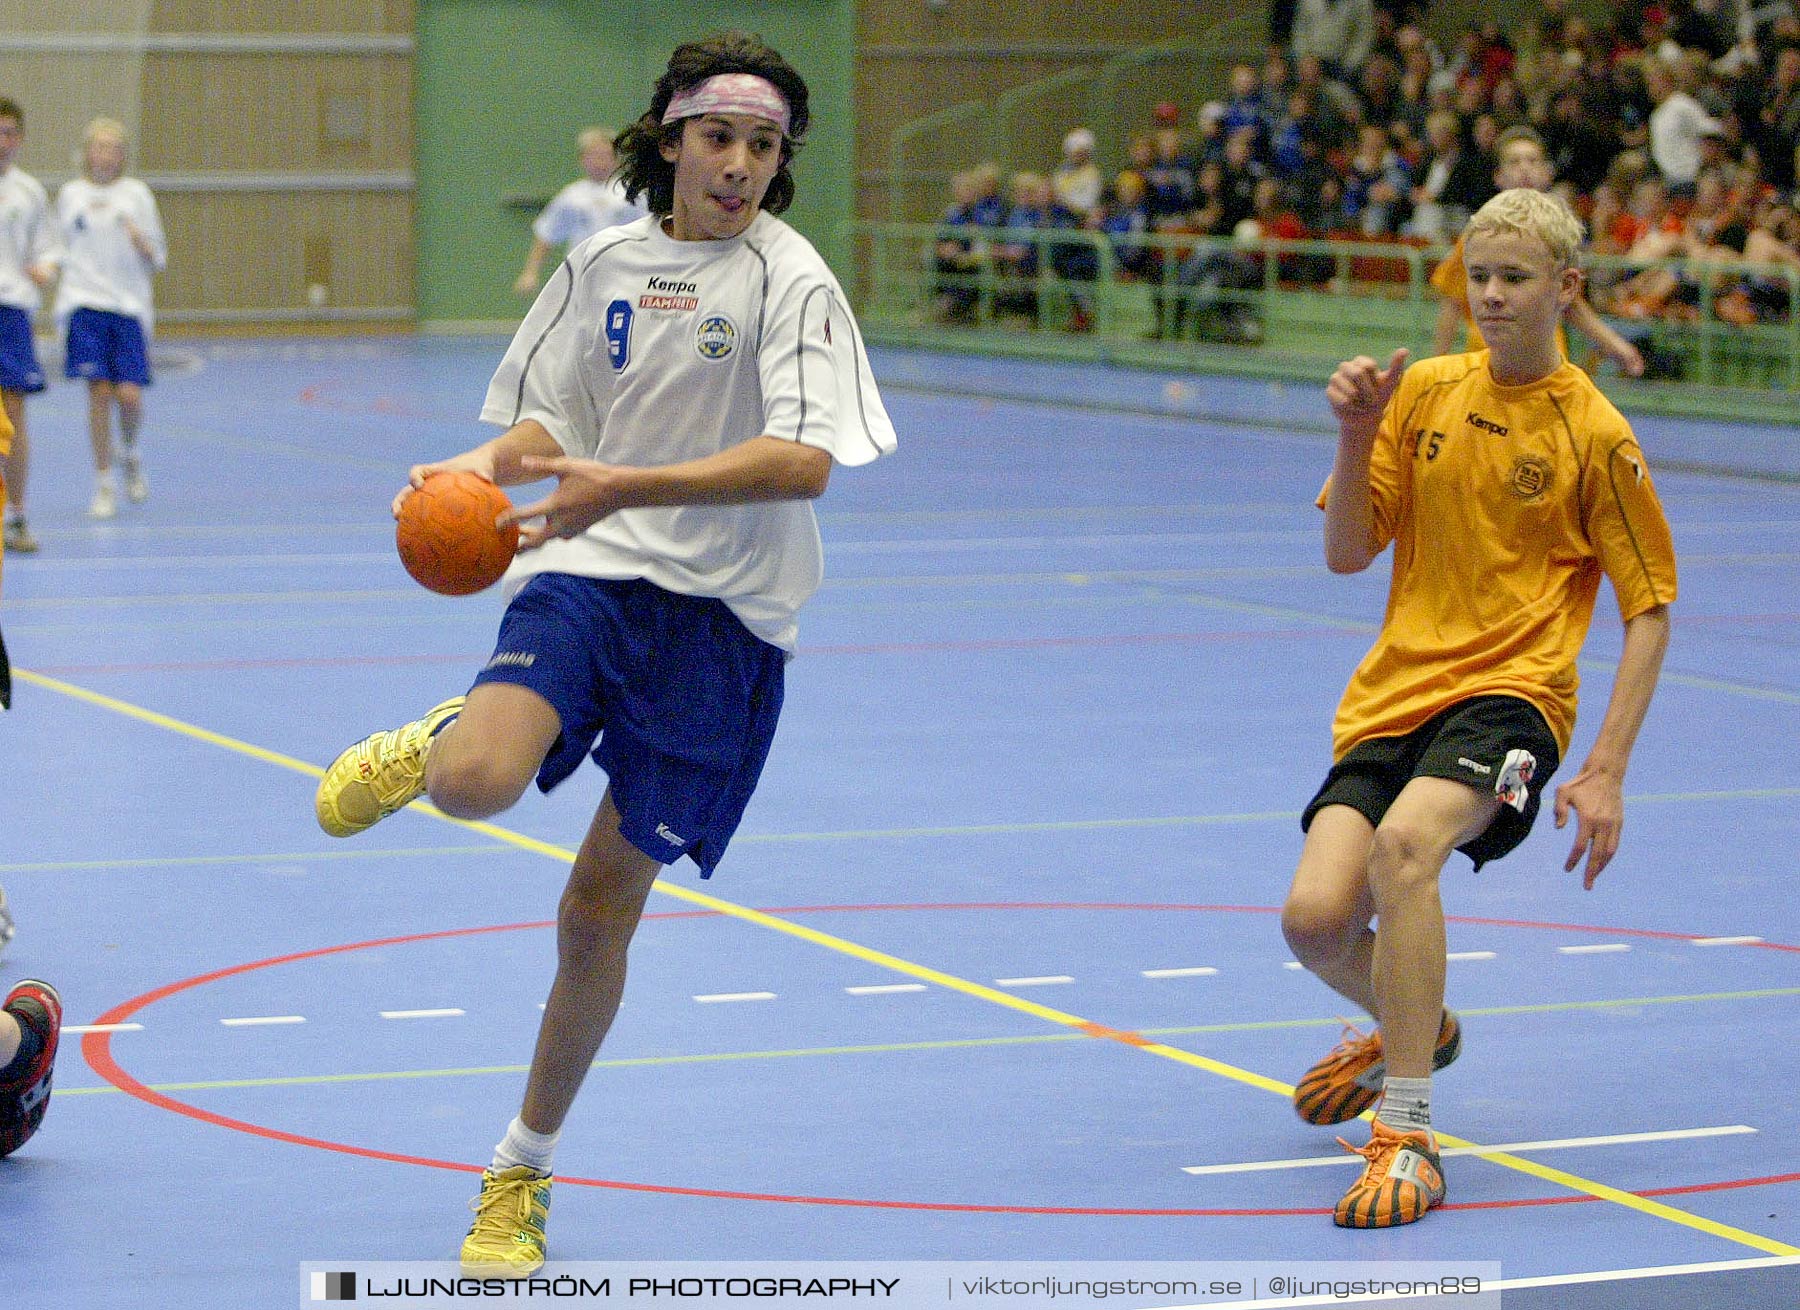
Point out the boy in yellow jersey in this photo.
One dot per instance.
(1523, 163)
(1507, 485)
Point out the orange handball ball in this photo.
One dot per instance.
(447, 537)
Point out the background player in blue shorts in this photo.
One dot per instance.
(113, 237)
(27, 266)
(690, 380)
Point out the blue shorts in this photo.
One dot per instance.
(107, 347)
(19, 370)
(683, 697)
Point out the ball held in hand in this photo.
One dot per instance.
(446, 534)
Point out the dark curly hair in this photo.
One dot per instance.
(642, 169)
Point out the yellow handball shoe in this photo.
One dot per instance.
(507, 1238)
(379, 775)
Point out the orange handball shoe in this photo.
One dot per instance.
(1347, 1081)
(1402, 1180)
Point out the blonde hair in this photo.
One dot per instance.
(99, 127)
(594, 136)
(1522, 211)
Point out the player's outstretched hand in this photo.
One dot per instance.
(1598, 800)
(586, 492)
(1360, 389)
(474, 461)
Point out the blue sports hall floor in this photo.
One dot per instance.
(993, 970)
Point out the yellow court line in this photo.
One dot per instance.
(925, 973)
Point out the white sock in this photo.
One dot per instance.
(1406, 1104)
(521, 1146)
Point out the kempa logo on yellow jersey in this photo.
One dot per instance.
(1486, 424)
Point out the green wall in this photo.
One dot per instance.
(504, 86)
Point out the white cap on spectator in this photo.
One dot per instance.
(1212, 111)
(1078, 139)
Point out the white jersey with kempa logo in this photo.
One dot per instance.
(642, 350)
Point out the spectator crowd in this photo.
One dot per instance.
(1672, 130)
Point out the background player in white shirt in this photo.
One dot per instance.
(27, 266)
(113, 238)
(690, 380)
(580, 209)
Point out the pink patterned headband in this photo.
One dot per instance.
(731, 93)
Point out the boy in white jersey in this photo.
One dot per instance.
(113, 238)
(588, 204)
(1507, 484)
(690, 379)
(27, 266)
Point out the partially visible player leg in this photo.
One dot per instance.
(1430, 818)
(130, 397)
(16, 468)
(599, 912)
(1403, 1175)
(100, 406)
(30, 1027)
(475, 754)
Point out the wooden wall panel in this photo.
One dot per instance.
(240, 16)
(279, 113)
(266, 250)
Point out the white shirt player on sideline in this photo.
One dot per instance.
(27, 238)
(651, 350)
(104, 268)
(584, 207)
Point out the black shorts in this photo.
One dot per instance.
(1472, 742)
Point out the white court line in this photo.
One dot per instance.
(263, 1019)
(886, 989)
(103, 1027)
(1599, 949)
(421, 1014)
(735, 996)
(1049, 979)
(1552, 1144)
(1512, 1284)
(1293, 964)
(1204, 971)
(1727, 941)
(1470, 955)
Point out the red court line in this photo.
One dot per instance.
(97, 1049)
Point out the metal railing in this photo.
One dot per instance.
(1312, 302)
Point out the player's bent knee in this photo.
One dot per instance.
(473, 787)
(1318, 930)
(1404, 858)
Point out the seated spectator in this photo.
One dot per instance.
(1015, 252)
(957, 255)
(1375, 186)
(1125, 223)
(1676, 125)
(988, 209)
(1076, 262)
(1439, 197)
(1244, 107)
(1242, 172)
(1335, 104)
(1300, 124)
(1076, 183)
(1170, 176)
